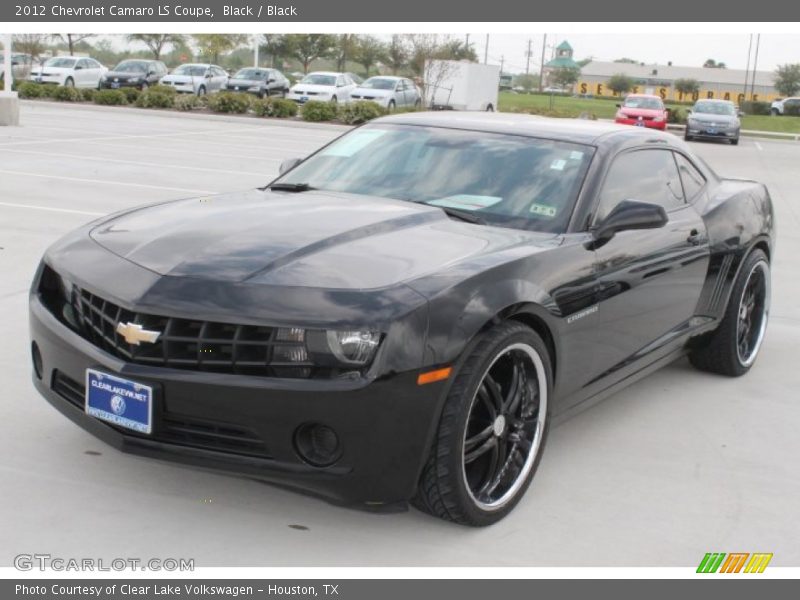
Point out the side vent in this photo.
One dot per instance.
(712, 294)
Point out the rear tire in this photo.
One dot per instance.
(391, 106)
(774, 112)
(735, 141)
(492, 431)
(733, 347)
(201, 91)
(69, 82)
(687, 137)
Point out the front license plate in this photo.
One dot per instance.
(711, 131)
(119, 401)
(303, 98)
(114, 86)
(639, 123)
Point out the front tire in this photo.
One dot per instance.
(734, 345)
(391, 106)
(69, 82)
(492, 430)
(201, 91)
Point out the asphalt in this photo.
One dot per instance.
(677, 465)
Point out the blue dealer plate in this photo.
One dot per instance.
(119, 401)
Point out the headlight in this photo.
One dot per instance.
(134, 79)
(350, 349)
(353, 347)
(253, 88)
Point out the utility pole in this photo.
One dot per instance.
(755, 67)
(255, 51)
(747, 70)
(541, 69)
(486, 51)
(466, 42)
(502, 62)
(528, 58)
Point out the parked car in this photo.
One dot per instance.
(261, 82)
(138, 73)
(642, 110)
(713, 119)
(323, 86)
(403, 314)
(784, 106)
(69, 71)
(389, 92)
(199, 79)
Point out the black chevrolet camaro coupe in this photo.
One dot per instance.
(403, 315)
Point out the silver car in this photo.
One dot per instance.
(200, 79)
(713, 119)
(389, 92)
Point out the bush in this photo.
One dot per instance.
(275, 107)
(316, 111)
(792, 111)
(155, 98)
(87, 94)
(676, 115)
(750, 107)
(29, 89)
(131, 94)
(230, 102)
(187, 102)
(66, 94)
(110, 97)
(163, 89)
(360, 112)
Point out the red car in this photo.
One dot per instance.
(643, 110)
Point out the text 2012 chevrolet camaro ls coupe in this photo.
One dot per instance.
(402, 315)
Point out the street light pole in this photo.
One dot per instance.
(541, 69)
(486, 51)
(7, 74)
(755, 67)
(747, 70)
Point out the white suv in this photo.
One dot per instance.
(779, 106)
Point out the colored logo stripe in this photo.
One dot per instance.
(734, 562)
(758, 562)
(711, 562)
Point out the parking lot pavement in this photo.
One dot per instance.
(680, 464)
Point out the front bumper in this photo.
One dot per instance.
(700, 130)
(115, 85)
(650, 124)
(48, 79)
(246, 425)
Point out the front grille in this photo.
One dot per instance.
(177, 429)
(193, 344)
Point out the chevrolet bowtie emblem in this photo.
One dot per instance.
(135, 334)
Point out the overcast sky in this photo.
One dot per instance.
(683, 50)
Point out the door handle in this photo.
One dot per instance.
(695, 237)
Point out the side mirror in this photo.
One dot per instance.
(271, 80)
(78, 67)
(289, 164)
(150, 73)
(209, 75)
(628, 215)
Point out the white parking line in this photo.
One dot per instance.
(113, 137)
(106, 182)
(185, 151)
(760, 149)
(52, 209)
(130, 162)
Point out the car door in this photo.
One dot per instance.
(400, 93)
(648, 282)
(81, 73)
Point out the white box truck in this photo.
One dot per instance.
(461, 85)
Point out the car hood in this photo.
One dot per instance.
(246, 82)
(307, 87)
(707, 118)
(361, 91)
(311, 239)
(183, 78)
(124, 76)
(641, 112)
(39, 70)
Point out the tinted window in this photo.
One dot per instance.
(645, 175)
(692, 178)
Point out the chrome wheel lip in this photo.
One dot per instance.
(522, 476)
(747, 361)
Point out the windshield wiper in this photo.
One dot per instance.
(463, 215)
(290, 187)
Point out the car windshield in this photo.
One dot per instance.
(319, 79)
(379, 83)
(505, 180)
(58, 62)
(191, 70)
(132, 66)
(714, 108)
(251, 74)
(646, 103)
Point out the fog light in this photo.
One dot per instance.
(317, 444)
(36, 356)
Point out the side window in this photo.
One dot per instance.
(84, 64)
(693, 180)
(340, 81)
(646, 175)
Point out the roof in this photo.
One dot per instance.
(733, 77)
(562, 62)
(564, 46)
(578, 131)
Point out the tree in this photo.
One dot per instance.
(526, 81)
(687, 87)
(308, 47)
(71, 39)
(344, 49)
(30, 43)
(276, 46)
(369, 50)
(787, 79)
(620, 83)
(156, 42)
(213, 45)
(713, 64)
(396, 54)
(564, 77)
(426, 46)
